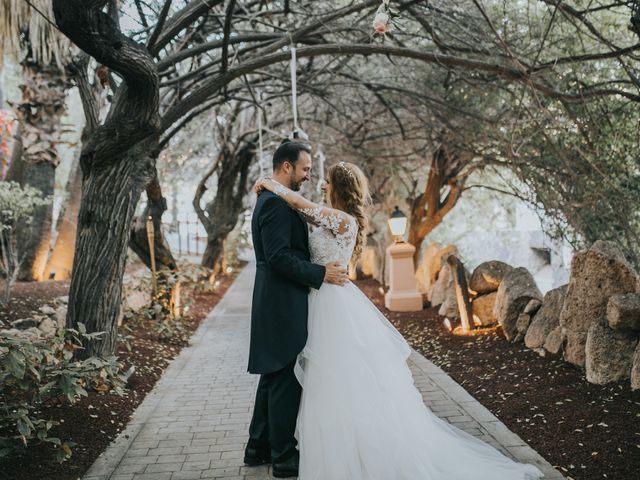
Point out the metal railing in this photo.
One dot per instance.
(186, 236)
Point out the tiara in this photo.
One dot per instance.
(344, 167)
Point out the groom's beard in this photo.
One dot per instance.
(295, 185)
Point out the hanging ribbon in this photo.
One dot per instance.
(262, 168)
(320, 156)
(294, 89)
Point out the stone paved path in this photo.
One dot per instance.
(194, 424)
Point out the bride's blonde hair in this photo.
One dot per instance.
(350, 193)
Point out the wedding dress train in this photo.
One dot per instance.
(361, 417)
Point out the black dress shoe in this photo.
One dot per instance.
(288, 468)
(254, 457)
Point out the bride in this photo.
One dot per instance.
(361, 417)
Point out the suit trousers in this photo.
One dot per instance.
(275, 413)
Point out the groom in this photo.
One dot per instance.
(279, 313)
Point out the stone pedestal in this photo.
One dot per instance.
(403, 294)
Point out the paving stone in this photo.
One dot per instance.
(193, 466)
(139, 452)
(153, 476)
(172, 450)
(194, 423)
(139, 460)
(196, 449)
(186, 475)
(221, 472)
(164, 467)
(172, 458)
(128, 469)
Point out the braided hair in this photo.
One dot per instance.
(350, 193)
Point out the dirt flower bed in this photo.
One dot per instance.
(586, 431)
(28, 297)
(93, 422)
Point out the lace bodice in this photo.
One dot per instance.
(333, 238)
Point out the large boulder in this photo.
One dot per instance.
(442, 288)
(483, 309)
(635, 369)
(48, 327)
(573, 343)
(428, 269)
(610, 249)
(136, 300)
(487, 276)
(532, 307)
(62, 299)
(546, 319)
(516, 290)
(553, 343)
(596, 275)
(522, 325)
(437, 264)
(24, 323)
(608, 353)
(449, 308)
(61, 315)
(31, 333)
(47, 310)
(623, 312)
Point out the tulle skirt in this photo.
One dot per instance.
(362, 418)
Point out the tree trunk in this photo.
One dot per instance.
(14, 171)
(116, 168)
(168, 290)
(223, 212)
(109, 198)
(60, 262)
(213, 252)
(39, 114)
(428, 210)
(139, 242)
(7, 248)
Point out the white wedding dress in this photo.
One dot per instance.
(361, 417)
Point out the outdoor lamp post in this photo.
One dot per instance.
(398, 224)
(403, 294)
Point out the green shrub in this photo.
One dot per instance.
(17, 204)
(33, 371)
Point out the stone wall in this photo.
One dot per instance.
(592, 322)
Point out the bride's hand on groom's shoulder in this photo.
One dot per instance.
(259, 185)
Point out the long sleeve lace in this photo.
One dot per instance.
(341, 224)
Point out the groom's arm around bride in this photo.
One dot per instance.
(283, 277)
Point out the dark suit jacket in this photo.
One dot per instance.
(284, 275)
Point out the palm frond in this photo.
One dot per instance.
(20, 24)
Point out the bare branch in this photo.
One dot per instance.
(159, 25)
(181, 20)
(214, 85)
(226, 33)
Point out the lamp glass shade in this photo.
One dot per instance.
(398, 223)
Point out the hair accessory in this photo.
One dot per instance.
(344, 167)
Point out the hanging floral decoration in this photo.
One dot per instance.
(382, 20)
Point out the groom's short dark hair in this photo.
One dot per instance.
(289, 151)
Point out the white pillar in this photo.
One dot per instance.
(403, 294)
